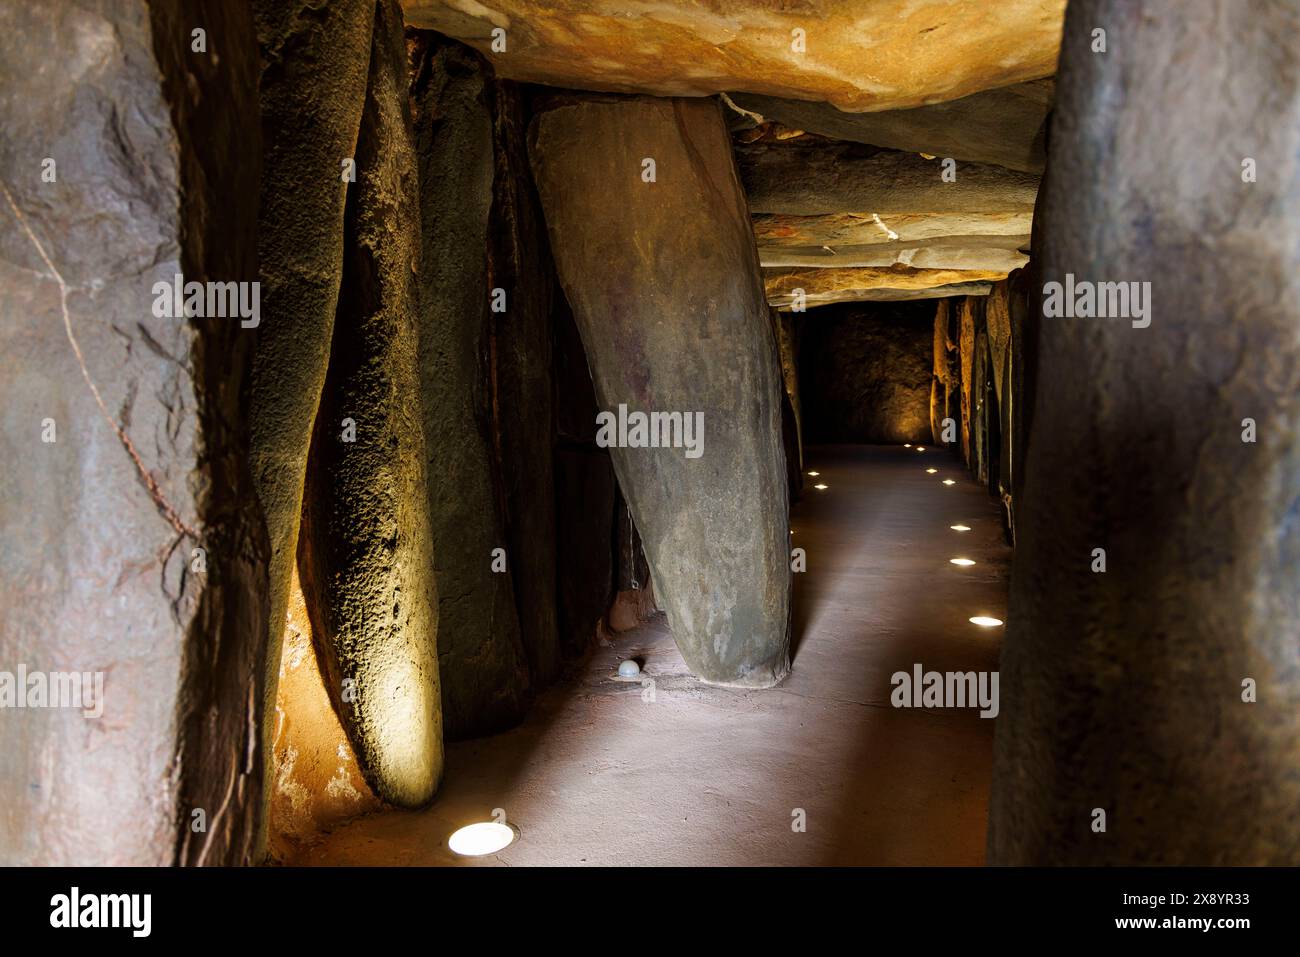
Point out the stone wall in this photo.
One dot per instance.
(866, 372)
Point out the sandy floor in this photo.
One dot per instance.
(599, 774)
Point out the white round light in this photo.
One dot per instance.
(920, 448)
(821, 488)
(907, 445)
(962, 561)
(485, 837)
(985, 621)
(949, 482)
(960, 528)
(931, 471)
(814, 474)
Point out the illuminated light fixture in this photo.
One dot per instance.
(485, 837)
(962, 561)
(814, 474)
(931, 471)
(820, 487)
(907, 445)
(949, 482)
(984, 621)
(960, 528)
(920, 448)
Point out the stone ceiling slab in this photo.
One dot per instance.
(856, 54)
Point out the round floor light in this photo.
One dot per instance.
(985, 621)
(814, 474)
(820, 487)
(907, 445)
(962, 561)
(931, 471)
(920, 448)
(960, 528)
(949, 482)
(485, 837)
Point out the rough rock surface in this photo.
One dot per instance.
(989, 241)
(156, 174)
(1003, 127)
(485, 681)
(311, 112)
(792, 407)
(866, 372)
(1123, 690)
(584, 496)
(318, 783)
(969, 318)
(811, 176)
(943, 392)
(366, 555)
(664, 281)
(856, 54)
(519, 262)
(821, 286)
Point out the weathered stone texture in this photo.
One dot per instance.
(367, 555)
(313, 84)
(318, 782)
(133, 545)
(485, 679)
(519, 262)
(866, 373)
(1003, 127)
(1123, 690)
(663, 279)
(918, 52)
(815, 287)
(810, 176)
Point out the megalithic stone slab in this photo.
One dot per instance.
(654, 248)
(366, 546)
(519, 264)
(313, 85)
(485, 679)
(1000, 126)
(856, 54)
(134, 555)
(1163, 692)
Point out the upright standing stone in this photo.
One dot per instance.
(654, 248)
(485, 680)
(1164, 692)
(366, 552)
(519, 264)
(134, 551)
(313, 84)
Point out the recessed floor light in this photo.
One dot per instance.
(949, 482)
(920, 448)
(907, 445)
(962, 561)
(814, 474)
(820, 487)
(485, 837)
(984, 621)
(931, 471)
(960, 528)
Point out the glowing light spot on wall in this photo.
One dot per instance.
(985, 621)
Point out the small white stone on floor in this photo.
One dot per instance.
(628, 669)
